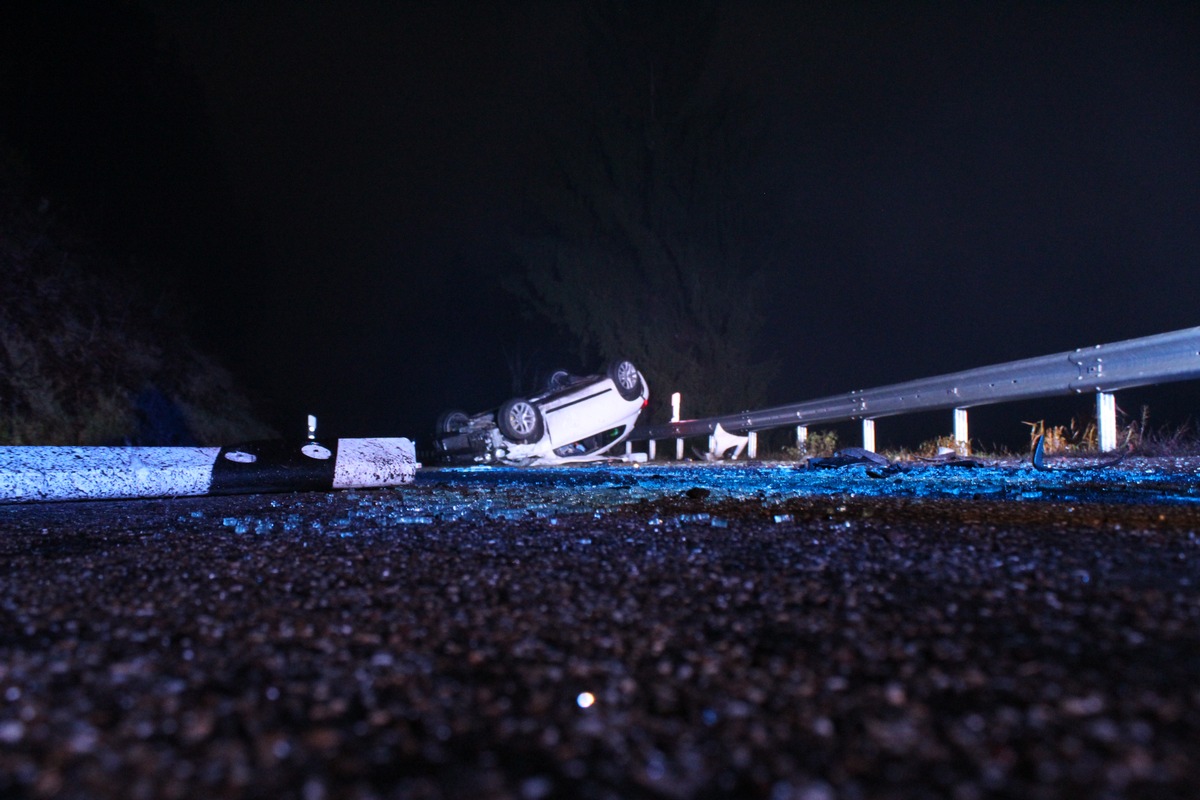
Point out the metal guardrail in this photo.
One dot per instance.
(1162, 358)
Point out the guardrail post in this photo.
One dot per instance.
(802, 439)
(650, 449)
(869, 435)
(676, 400)
(752, 444)
(962, 441)
(1106, 421)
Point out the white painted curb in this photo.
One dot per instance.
(38, 474)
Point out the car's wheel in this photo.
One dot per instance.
(452, 421)
(520, 421)
(628, 382)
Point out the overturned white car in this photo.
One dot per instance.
(574, 419)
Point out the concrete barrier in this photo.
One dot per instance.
(37, 474)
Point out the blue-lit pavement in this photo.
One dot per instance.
(550, 493)
(581, 487)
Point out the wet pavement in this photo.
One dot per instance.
(654, 631)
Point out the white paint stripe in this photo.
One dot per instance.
(85, 473)
(363, 463)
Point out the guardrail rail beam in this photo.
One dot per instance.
(1105, 368)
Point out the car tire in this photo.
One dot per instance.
(625, 377)
(520, 421)
(453, 421)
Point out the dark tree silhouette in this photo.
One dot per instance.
(115, 228)
(113, 129)
(648, 246)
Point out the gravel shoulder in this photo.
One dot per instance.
(689, 643)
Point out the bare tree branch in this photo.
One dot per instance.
(646, 249)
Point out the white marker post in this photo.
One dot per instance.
(869, 435)
(962, 442)
(1106, 421)
(676, 402)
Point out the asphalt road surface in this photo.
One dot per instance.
(608, 633)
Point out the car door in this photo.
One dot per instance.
(580, 414)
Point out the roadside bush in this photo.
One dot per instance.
(88, 360)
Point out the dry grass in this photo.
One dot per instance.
(818, 444)
(1135, 435)
(1078, 437)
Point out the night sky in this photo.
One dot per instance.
(953, 185)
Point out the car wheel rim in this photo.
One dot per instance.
(522, 418)
(627, 375)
